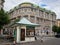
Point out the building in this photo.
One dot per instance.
(1, 4)
(35, 14)
(58, 22)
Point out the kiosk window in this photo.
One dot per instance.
(30, 31)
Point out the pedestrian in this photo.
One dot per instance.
(41, 40)
(35, 38)
(47, 32)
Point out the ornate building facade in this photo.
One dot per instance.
(1, 4)
(35, 14)
(58, 22)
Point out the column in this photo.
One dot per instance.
(18, 34)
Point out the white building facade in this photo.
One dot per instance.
(1, 4)
(35, 14)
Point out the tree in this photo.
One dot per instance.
(54, 28)
(4, 18)
(58, 31)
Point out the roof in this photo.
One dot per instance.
(34, 5)
(24, 21)
(26, 3)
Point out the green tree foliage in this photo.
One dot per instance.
(54, 28)
(4, 18)
(58, 31)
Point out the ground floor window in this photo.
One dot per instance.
(30, 31)
(5, 31)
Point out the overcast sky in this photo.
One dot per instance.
(53, 5)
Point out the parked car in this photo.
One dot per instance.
(57, 35)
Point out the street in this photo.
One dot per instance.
(46, 41)
(52, 41)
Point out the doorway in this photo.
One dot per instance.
(22, 34)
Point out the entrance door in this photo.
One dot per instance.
(22, 34)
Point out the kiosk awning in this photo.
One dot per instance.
(24, 21)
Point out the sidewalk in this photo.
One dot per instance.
(38, 41)
(45, 37)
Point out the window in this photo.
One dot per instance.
(5, 31)
(41, 14)
(30, 31)
(25, 9)
(26, 16)
(32, 19)
(31, 9)
(59, 24)
(19, 10)
(19, 17)
(22, 9)
(38, 20)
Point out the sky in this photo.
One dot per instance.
(53, 5)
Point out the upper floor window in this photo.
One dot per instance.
(32, 17)
(19, 10)
(19, 17)
(38, 20)
(41, 13)
(26, 16)
(25, 9)
(31, 9)
(59, 24)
